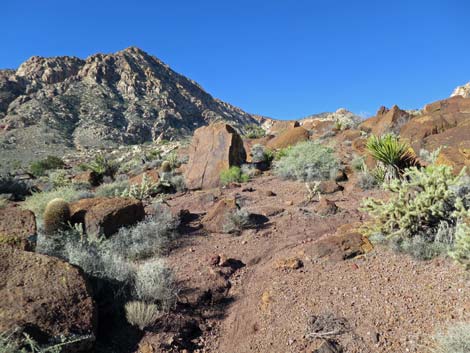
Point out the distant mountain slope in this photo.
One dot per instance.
(123, 98)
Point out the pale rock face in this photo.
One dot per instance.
(463, 91)
(59, 104)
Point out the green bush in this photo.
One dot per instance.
(426, 204)
(391, 153)
(233, 175)
(59, 178)
(307, 161)
(41, 167)
(254, 131)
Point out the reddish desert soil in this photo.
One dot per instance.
(389, 302)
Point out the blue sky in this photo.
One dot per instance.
(284, 59)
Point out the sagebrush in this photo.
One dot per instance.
(307, 161)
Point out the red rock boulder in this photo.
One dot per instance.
(213, 149)
(17, 226)
(103, 215)
(288, 137)
(46, 297)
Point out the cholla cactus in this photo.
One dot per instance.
(143, 190)
(313, 190)
(461, 252)
(56, 216)
(423, 199)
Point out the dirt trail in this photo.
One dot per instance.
(391, 303)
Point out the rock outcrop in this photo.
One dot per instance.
(50, 105)
(46, 298)
(463, 91)
(213, 149)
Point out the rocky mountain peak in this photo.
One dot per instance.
(128, 97)
(463, 91)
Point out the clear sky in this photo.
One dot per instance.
(284, 59)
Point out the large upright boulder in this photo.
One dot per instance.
(46, 298)
(214, 148)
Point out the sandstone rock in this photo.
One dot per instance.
(386, 121)
(329, 187)
(46, 297)
(17, 226)
(288, 137)
(152, 176)
(292, 263)
(463, 91)
(106, 215)
(326, 207)
(216, 218)
(340, 247)
(214, 148)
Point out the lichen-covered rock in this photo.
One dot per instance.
(46, 297)
(213, 149)
(17, 228)
(105, 215)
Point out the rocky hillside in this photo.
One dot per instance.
(62, 103)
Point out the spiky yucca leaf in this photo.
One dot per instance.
(391, 152)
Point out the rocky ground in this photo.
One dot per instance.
(299, 277)
(389, 302)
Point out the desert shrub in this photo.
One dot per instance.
(366, 180)
(461, 251)
(18, 188)
(307, 161)
(261, 154)
(41, 167)
(152, 236)
(424, 209)
(455, 340)
(142, 314)
(358, 163)
(394, 155)
(154, 283)
(102, 167)
(233, 175)
(38, 201)
(236, 221)
(13, 342)
(254, 131)
(56, 216)
(177, 182)
(280, 153)
(115, 188)
(59, 178)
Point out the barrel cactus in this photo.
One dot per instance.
(56, 216)
(166, 167)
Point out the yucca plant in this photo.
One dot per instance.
(102, 167)
(393, 154)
